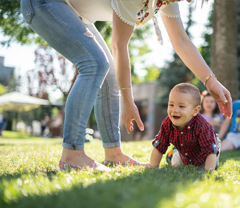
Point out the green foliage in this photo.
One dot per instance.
(3, 89)
(13, 26)
(29, 177)
(205, 49)
(152, 74)
(176, 72)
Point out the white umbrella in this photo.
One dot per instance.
(16, 101)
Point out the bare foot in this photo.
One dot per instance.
(75, 157)
(115, 155)
(80, 159)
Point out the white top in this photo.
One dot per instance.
(132, 12)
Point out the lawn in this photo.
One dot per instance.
(29, 177)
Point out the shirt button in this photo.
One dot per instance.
(186, 154)
(189, 127)
(190, 160)
(156, 142)
(181, 144)
(181, 132)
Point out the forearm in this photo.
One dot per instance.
(224, 128)
(123, 71)
(214, 123)
(156, 158)
(210, 163)
(192, 58)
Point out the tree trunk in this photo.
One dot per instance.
(224, 44)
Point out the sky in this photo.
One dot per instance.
(22, 56)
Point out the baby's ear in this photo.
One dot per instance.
(196, 110)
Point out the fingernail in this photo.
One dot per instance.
(142, 129)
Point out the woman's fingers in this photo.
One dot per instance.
(139, 122)
(222, 96)
(129, 125)
(225, 103)
(228, 105)
(221, 107)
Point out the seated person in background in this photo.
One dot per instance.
(232, 140)
(187, 130)
(210, 111)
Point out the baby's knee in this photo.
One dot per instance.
(176, 160)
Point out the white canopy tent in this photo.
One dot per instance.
(16, 101)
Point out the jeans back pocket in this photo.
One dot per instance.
(27, 10)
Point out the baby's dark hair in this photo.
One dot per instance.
(207, 94)
(189, 88)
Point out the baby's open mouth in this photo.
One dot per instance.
(176, 117)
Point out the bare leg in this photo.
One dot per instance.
(226, 145)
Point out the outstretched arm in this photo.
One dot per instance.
(224, 128)
(194, 61)
(121, 34)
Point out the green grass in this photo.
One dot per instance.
(29, 177)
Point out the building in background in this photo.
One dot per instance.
(6, 73)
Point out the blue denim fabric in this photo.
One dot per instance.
(96, 84)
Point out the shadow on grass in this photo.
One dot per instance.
(141, 189)
(9, 177)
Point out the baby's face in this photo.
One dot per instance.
(181, 108)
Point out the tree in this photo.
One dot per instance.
(51, 73)
(238, 46)
(223, 45)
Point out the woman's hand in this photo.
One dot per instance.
(221, 95)
(130, 113)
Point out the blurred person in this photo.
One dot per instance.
(67, 26)
(210, 111)
(232, 139)
(44, 123)
(56, 125)
(193, 137)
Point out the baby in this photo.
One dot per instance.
(187, 130)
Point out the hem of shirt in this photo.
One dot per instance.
(169, 16)
(120, 16)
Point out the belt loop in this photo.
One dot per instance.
(42, 1)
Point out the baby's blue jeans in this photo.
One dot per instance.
(96, 84)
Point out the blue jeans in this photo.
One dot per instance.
(96, 84)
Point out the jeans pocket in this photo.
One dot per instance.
(27, 10)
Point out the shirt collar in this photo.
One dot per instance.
(189, 125)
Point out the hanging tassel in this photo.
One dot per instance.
(157, 30)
